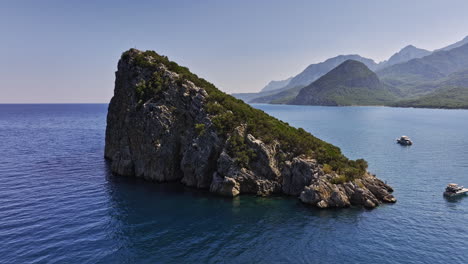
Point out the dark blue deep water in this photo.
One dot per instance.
(60, 204)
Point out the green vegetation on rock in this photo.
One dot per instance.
(200, 128)
(238, 149)
(228, 113)
(148, 89)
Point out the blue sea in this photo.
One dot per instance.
(60, 204)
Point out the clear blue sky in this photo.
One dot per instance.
(67, 51)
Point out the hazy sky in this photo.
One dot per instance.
(67, 51)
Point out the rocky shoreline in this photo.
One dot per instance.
(170, 136)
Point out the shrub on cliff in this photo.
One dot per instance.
(238, 149)
(200, 128)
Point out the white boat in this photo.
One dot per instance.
(404, 140)
(453, 189)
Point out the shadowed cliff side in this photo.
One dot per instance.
(166, 124)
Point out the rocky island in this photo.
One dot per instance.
(166, 124)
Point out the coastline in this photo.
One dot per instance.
(389, 106)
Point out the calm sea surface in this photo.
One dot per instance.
(60, 204)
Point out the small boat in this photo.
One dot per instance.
(453, 190)
(404, 140)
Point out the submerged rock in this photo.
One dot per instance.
(163, 127)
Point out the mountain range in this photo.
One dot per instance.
(433, 67)
(407, 78)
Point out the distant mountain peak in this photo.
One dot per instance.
(350, 83)
(414, 51)
(306, 77)
(410, 46)
(405, 54)
(349, 69)
(352, 65)
(275, 85)
(315, 71)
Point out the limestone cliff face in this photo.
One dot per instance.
(170, 136)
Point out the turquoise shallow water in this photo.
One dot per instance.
(60, 204)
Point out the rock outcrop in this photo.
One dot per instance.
(159, 127)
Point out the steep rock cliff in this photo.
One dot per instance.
(166, 124)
